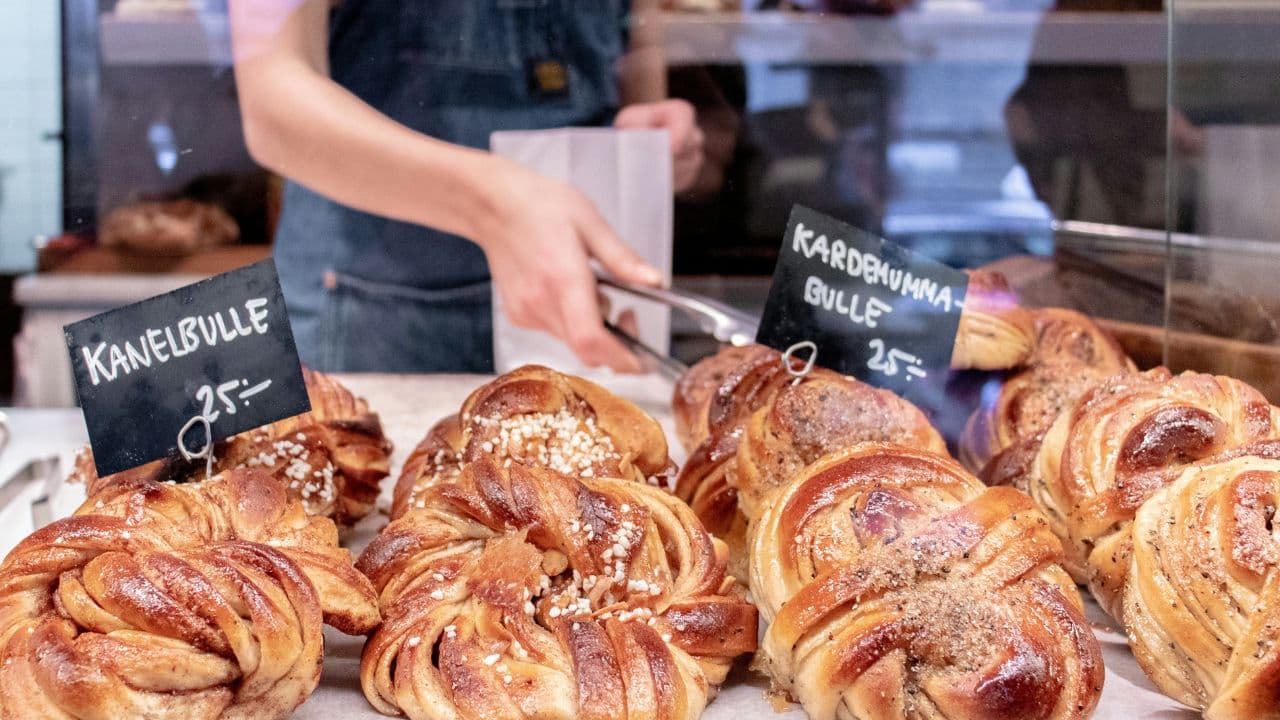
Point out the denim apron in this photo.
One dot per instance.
(370, 294)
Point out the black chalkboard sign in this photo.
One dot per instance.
(875, 310)
(221, 348)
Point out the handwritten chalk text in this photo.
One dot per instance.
(109, 360)
(868, 312)
(869, 268)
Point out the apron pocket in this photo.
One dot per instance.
(371, 326)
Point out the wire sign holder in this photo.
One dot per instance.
(205, 452)
(788, 355)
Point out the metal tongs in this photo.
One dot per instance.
(724, 323)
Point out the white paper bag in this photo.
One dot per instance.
(627, 174)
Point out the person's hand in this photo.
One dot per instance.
(678, 118)
(539, 239)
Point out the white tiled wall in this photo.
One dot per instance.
(30, 107)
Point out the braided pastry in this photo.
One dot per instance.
(437, 459)
(332, 458)
(703, 482)
(1071, 354)
(806, 421)
(202, 600)
(750, 386)
(748, 378)
(693, 392)
(520, 592)
(994, 333)
(898, 586)
(538, 417)
(1203, 588)
(1126, 438)
(767, 427)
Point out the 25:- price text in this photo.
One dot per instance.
(891, 361)
(227, 396)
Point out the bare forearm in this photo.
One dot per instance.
(538, 234)
(310, 129)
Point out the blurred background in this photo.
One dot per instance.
(1117, 156)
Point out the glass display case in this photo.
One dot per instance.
(1222, 156)
(977, 133)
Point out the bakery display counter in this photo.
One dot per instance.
(408, 405)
